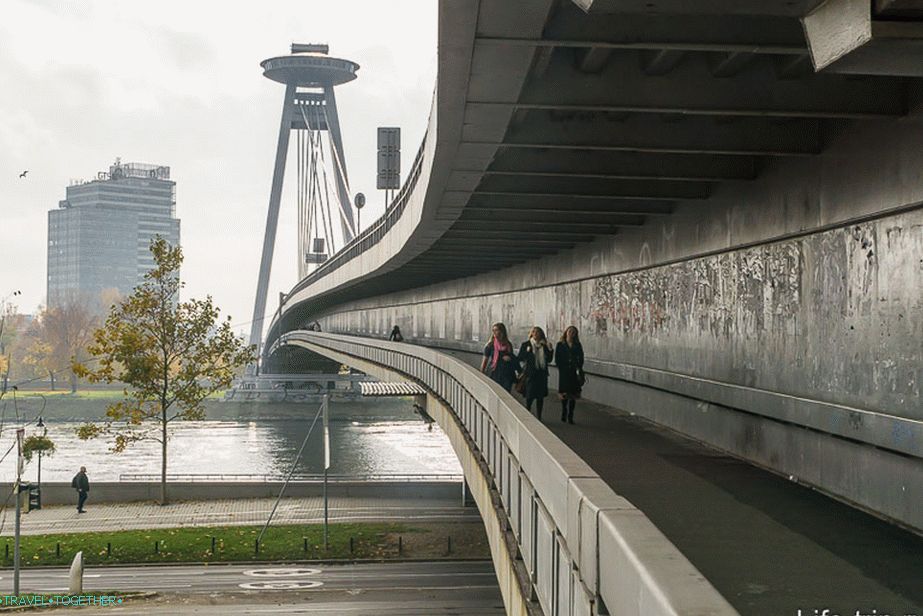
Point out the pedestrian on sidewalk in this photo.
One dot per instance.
(396, 335)
(500, 362)
(82, 485)
(568, 356)
(535, 355)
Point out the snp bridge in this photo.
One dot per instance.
(724, 197)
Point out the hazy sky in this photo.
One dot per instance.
(178, 83)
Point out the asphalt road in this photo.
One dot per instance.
(446, 587)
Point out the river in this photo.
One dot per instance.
(371, 436)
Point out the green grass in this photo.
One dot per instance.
(237, 543)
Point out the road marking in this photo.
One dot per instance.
(286, 572)
(281, 585)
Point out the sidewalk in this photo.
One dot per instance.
(308, 510)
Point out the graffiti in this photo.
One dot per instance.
(738, 293)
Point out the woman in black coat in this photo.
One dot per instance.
(500, 361)
(535, 355)
(568, 356)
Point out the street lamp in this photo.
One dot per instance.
(41, 424)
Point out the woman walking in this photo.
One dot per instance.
(396, 335)
(536, 354)
(569, 358)
(499, 361)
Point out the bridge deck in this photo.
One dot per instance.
(769, 545)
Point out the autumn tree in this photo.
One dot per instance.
(170, 355)
(67, 330)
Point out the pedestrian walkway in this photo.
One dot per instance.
(309, 510)
(769, 545)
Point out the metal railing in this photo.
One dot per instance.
(375, 232)
(586, 550)
(307, 478)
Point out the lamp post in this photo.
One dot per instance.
(20, 433)
(41, 424)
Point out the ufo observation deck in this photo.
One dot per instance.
(309, 70)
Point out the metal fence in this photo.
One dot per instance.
(319, 477)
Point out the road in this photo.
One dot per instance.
(449, 587)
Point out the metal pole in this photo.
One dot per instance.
(326, 408)
(339, 164)
(272, 217)
(19, 435)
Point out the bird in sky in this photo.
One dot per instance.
(23, 174)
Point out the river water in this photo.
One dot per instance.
(370, 436)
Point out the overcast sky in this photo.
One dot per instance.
(178, 83)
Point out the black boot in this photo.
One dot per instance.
(570, 410)
(563, 410)
(539, 403)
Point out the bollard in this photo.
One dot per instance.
(7, 555)
(256, 546)
(75, 585)
(305, 544)
(157, 547)
(450, 544)
(108, 549)
(350, 545)
(213, 546)
(400, 545)
(57, 549)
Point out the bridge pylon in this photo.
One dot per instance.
(309, 108)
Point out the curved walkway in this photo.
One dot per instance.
(769, 545)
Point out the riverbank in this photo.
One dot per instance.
(90, 405)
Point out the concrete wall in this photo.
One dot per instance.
(796, 298)
(125, 492)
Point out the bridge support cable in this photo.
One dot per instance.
(291, 471)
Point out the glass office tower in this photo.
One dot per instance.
(99, 236)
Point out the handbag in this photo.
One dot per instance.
(521, 384)
(581, 378)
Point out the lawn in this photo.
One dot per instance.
(238, 543)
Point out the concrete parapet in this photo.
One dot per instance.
(584, 548)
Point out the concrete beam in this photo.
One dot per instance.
(899, 9)
(677, 135)
(657, 62)
(689, 30)
(514, 234)
(592, 59)
(560, 218)
(730, 63)
(574, 214)
(622, 165)
(586, 228)
(475, 241)
(753, 8)
(692, 89)
(615, 210)
(836, 28)
(642, 190)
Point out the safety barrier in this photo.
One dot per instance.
(586, 549)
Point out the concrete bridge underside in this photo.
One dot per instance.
(725, 199)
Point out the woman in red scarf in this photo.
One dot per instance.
(500, 361)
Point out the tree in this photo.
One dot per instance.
(67, 331)
(170, 355)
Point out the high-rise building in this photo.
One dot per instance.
(99, 237)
